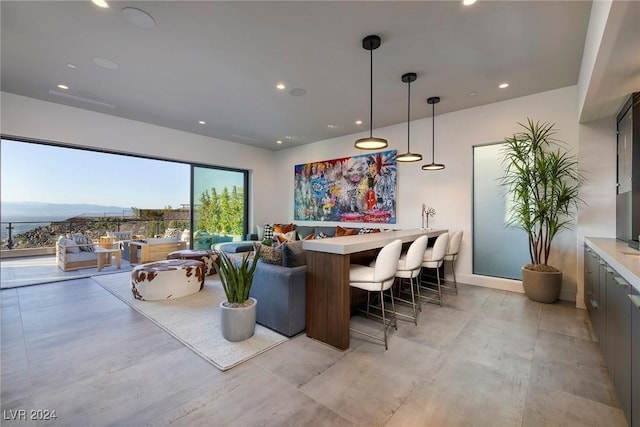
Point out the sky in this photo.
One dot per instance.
(42, 173)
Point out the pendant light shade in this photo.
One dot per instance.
(371, 43)
(409, 156)
(433, 166)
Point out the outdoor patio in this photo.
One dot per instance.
(34, 270)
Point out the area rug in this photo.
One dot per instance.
(195, 321)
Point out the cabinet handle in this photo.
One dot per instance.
(635, 299)
(621, 281)
(594, 304)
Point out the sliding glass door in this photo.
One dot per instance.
(220, 208)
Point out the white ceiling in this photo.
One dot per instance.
(220, 61)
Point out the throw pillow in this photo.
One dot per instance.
(268, 231)
(283, 228)
(307, 237)
(340, 231)
(286, 237)
(365, 230)
(293, 255)
(269, 254)
(260, 232)
(81, 239)
(320, 235)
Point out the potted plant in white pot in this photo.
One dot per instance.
(542, 181)
(238, 312)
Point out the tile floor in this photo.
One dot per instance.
(487, 358)
(26, 271)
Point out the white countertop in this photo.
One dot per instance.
(363, 242)
(622, 258)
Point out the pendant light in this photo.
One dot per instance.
(408, 156)
(433, 166)
(371, 43)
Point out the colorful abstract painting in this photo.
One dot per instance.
(351, 189)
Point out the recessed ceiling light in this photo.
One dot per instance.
(278, 142)
(202, 122)
(138, 17)
(504, 85)
(288, 137)
(71, 66)
(473, 93)
(468, 2)
(281, 86)
(296, 91)
(331, 126)
(358, 122)
(65, 87)
(105, 63)
(100, 3)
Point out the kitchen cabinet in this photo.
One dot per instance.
(618, 348)
(612, 290)
(634, 302)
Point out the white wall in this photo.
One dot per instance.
(597, 158)
(35, 119)
(450, 191)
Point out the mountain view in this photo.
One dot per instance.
(38, 213)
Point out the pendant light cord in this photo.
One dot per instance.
(433, 132)
(408, 116)
(371, 92)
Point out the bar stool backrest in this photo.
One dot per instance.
(387, 261)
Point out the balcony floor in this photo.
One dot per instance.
(16, 272)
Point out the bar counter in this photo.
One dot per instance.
(328, 261)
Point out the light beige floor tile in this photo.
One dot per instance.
(586, 380)
(565, 348)
(253, 397)
(368, 385)
(299, 360)
(464, 393)
(548, 407)
(563, 318)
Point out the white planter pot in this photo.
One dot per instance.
(238, 323)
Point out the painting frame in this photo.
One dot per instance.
(360, 188)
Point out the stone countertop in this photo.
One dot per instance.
(622, 258)
(362, 242)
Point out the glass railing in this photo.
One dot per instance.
(45, 234)
(20, 235)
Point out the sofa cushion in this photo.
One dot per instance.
(85, 241)
(69, 245)
(341, 231)
(269, 254)
(304, 231)
(293, 255)
(153, 240)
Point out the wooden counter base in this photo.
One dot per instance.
(328, 305)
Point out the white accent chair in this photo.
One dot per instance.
(409, 267)
(378, 279)
(434, 258)
(450, 256)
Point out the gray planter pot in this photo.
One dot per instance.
(542, 286)
(238, 323)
